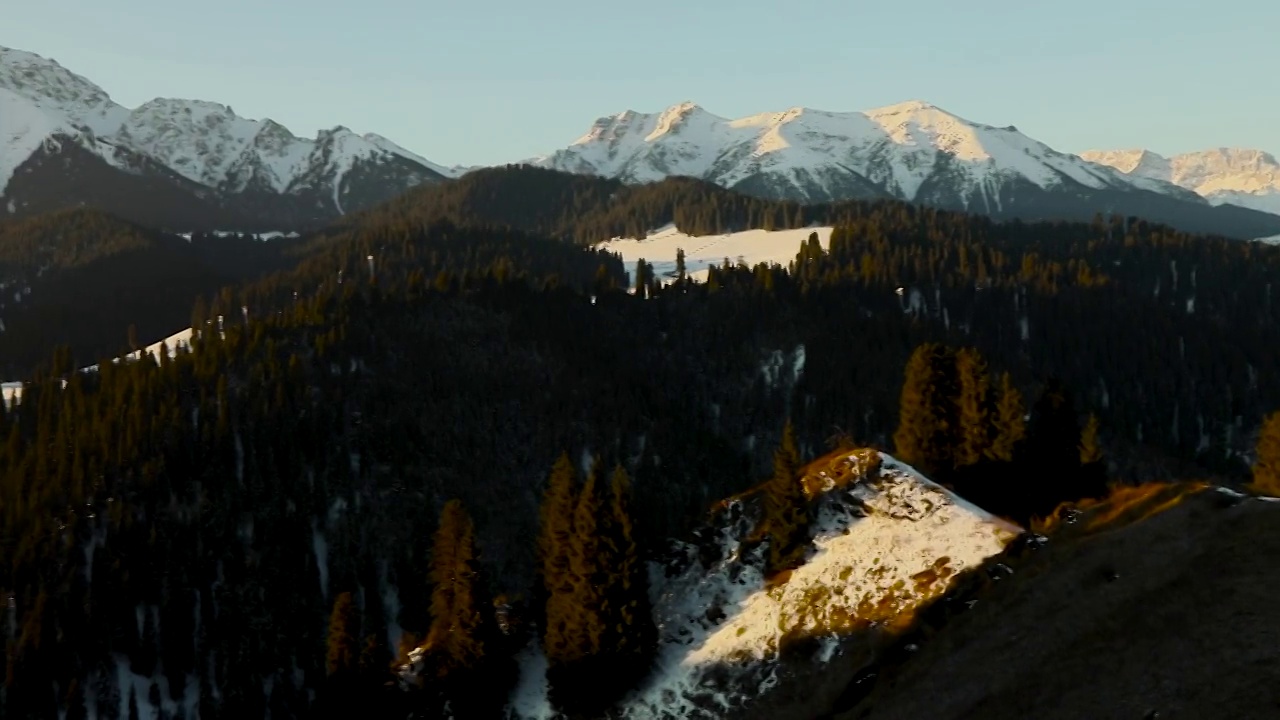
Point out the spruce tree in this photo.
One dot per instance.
(786, 512)
(1266, 468)
(1009, 425)
(631, 631)
(343, 625)
(585, 554)
(680, 266)
(927, 434)
(972, 407)
(1090, 451)
(555, 536)
(456, 636)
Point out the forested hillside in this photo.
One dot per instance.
(216, 511)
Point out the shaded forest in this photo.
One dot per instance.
(202, 524)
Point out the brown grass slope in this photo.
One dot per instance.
(1158, 603)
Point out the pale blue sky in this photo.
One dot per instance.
(488, 81)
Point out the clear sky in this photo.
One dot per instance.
(490, 81)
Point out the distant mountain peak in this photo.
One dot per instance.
(1245, 177)
(200, 141)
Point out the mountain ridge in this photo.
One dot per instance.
(1224, 175)
(258, 164)
(913, 151)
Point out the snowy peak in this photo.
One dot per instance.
(913, 151)
(56, 89)
(204, 142)
(1238, 176)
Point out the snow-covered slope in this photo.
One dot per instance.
(1248, 178)
(170, 346)
(886, 539)
(912, 151)
(24, 128)
(659, 249)
(204, 142)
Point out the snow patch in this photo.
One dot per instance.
(702, 252)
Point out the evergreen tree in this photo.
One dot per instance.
(1266, 468)
(457, 633)
(585, 554)
(786, 510)
(555, 537)
(973, 407)
(927, 434)
(1090, 451)
(631, 632)
(343, 626)
(1009, 425)
(680, 266)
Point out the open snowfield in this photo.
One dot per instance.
(752, 246)
(1275, 240)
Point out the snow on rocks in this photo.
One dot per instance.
(886, 539)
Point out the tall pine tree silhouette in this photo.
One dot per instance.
(459, 618)
(1266, 468)
(1009, 425)
(631, 633)
(927, 431)
(972, 407)
(786, 513)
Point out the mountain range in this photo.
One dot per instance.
(197, 165)
(181, 164)
(912, 151)
(1248, 178)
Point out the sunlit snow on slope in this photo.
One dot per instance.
(1275, 240)
(752, 246)
(170, 345)
(885, 540)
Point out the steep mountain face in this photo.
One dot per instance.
(1236, 176)
(221, 170)
(913, 151)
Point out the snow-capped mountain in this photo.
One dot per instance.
(256, 166)
(912, 151)
(1236, 176)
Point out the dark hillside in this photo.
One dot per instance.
(1162, 611)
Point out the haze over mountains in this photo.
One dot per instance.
(197, 165)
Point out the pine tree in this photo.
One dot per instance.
(456, 636)
(680, 266)
(585, 569)
(631, 632)
(1266, 468)
(927, 434)
(973, 405)
(1009, 426)
(343, 650)
(1090, 451)
(555, 536)
(786, 512)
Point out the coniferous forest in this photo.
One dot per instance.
(449, 429)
